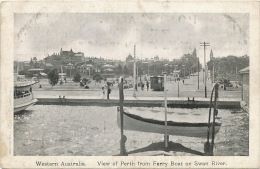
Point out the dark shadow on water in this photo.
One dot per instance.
(196, 114)
(24, 112)
(182, 113)
(155, 111)
(177, 147)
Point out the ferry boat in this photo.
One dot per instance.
(23, 96)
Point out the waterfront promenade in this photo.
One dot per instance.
(73, 92)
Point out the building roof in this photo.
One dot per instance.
(107, 66)
(43, 74)
(244, 71)
(176, 71)
(79, 54)
(109, 70)
(62, 74)
(35, 69)
(49, 64)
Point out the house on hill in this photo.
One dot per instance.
(65, 57)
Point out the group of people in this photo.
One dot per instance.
(142, 86)
(104, 91)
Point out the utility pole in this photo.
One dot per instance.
(205, 67)
(134, 75)
(148, 69)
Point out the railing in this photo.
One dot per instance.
(21, 96)
(208, 148)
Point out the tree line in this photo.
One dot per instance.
(228, 67)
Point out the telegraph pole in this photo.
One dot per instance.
(205, 72)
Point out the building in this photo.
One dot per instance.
(245, 87)
(65, 57)
(211, 55)
(78, 57)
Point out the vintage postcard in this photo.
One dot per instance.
(129, 84)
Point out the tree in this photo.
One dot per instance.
(98, 77)
(53, 77)
(126, 70)
(31, 63)
(227, 67)
(119, 69)
(77, 78)
(84, 82)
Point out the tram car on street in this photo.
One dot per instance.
(157, 83)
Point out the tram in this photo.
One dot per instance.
(157, 83)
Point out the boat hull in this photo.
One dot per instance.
(20, 107)
(133, 122)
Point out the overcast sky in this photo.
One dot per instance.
(112, 36)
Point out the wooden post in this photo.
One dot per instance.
(121, 102)
(166, 137)
(134, 75)
(178, 89)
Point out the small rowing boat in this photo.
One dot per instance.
(190, 129)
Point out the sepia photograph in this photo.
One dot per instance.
(131, 84)
(118, 84)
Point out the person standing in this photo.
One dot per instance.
(108, 91)
(142, 86)
(103, 92)
(147, 85)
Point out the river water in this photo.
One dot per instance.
(53, 130)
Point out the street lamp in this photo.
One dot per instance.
(184, 70)
(165, 67)
(148, 69)
(198, 73)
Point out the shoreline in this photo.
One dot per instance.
(227, 103)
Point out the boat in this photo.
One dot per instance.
(23, 96)
(190, 129)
